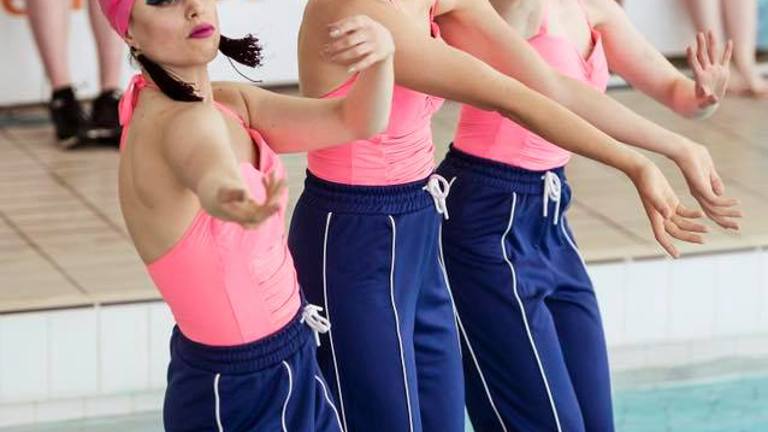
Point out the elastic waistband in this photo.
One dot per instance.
(508, 177)
(342, 198)
(246, 358)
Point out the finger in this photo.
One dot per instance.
(714, 201)
(363, 64)
(230, 195)
(276, 196)
(689, 225)
(238, 212)
(725, 223)
(701, 50)
(255, 213)
(659, 205)
(725, 212)
(354, 53)
(346, 25)
(675, 231)
(728, 54)
(688, 213)
(272, 186)
(712, 194)
(712, 47)
(345, 42)
(717, 184)
(657, 224)
(693, 61)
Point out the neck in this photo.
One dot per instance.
(196, 76)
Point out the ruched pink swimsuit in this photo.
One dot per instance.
(490, 135)
(404, 153)
(224, 284)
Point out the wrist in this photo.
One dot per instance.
(680, 150)
(635, 165)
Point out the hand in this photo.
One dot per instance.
(711, 70)
(669, 218)
(705, 185)
(359, 42)
(236, 205)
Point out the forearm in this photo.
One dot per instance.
(618, 121)
(366, 108)
(209, 185)
(559, 125)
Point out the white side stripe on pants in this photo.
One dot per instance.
(441, 262)
(328, 400)
(288, 397)
(466, 339)
(397, 321)
(572, 243)
(218, 401)
(328, 316)
(523, 313)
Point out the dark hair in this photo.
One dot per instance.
(246, 51)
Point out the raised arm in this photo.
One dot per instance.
(297, 124)
(646, 69)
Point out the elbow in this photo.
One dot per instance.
(363, 125)
(371, 128)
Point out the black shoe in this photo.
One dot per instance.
(67, 116)
(104, 126)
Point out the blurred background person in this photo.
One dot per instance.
(738, 18)
(50, 23)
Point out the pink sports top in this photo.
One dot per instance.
(490, 135)
(402, 154)
(224, 284)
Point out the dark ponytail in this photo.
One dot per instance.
(246, 51)
(174, 88)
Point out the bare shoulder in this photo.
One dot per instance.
(602, 11)
(186, 124)
(232, 95)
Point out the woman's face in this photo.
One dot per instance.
(176, 33)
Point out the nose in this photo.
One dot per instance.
(194, 7)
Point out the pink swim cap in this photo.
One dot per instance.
(118, 13)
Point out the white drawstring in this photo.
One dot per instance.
(318, 323)
(439, 188)
(552, 191)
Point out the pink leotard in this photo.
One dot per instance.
(490, 135)
(224, 284)
(402, 154)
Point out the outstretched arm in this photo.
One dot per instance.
(646, 69)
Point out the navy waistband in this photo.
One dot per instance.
(246, 358)
(501, 175)
(342, 198)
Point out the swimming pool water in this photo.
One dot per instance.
(725, 404)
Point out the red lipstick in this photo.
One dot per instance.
(202, 31)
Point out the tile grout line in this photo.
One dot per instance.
(58, 179)
(610, 222)
(42, 253)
